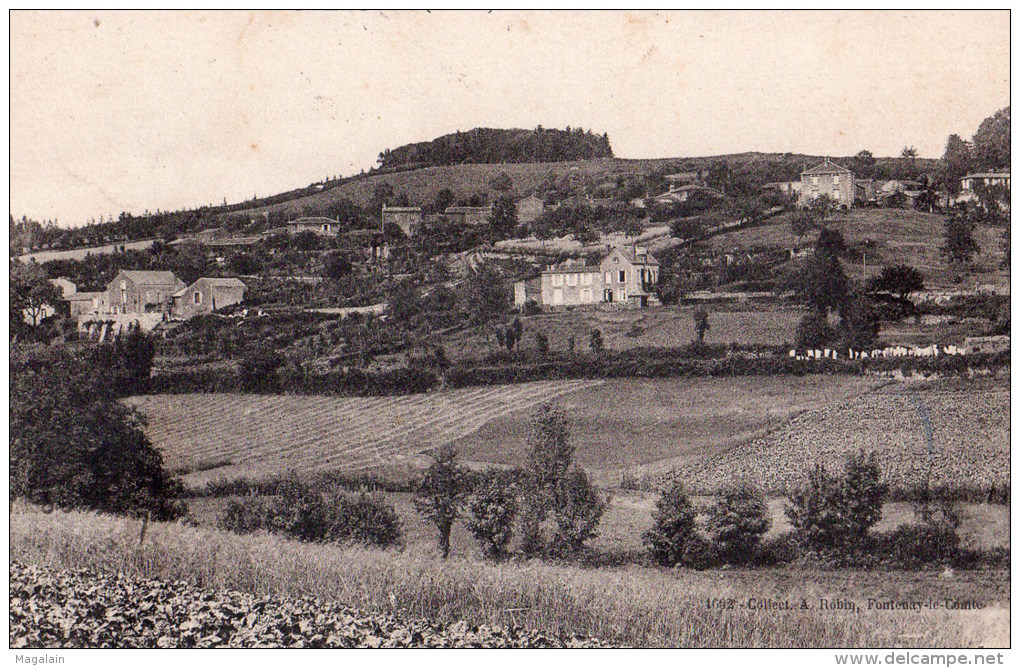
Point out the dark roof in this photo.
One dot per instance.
(987, 175)
(467, 209)
(572, 270)
(632, 257)
(827, 167)
(151, 277)
(402, 209)
(224, 282)
(313, 220)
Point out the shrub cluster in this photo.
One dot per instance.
(304, 512)
(832, 515)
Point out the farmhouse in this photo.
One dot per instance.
(142, 292)
(827, 179)
(83, 303)
(468, 215)
(207, 295)
(529, 209)
(321, 226)
(570, 285)
(682, 193)
(407, 218)
(783, 187)
(987, 179)
(626, 276)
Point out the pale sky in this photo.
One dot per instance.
(120, 111)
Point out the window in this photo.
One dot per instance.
(623, 275)
(609, 277)
(557, 279)
(571, 279)
(148, 295)
(835, 180)
(814, 180)
(587, 279)
(123, 285)
(198, 298)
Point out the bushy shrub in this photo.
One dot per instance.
(578, 511)
(493, 505)
(246, 514)
(738, 520)
(863, 494)
(258, 368)
(673, 538)
(920, 545)
(813, 511)
(814, 331)
(301, 511)
(836, 512)
(531, 307)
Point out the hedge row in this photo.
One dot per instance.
(630, 364)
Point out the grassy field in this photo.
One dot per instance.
(213, 436)
(629, 606)
(652, 424)
(625, 329)
(896, 237)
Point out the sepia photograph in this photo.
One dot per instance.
(510, 329)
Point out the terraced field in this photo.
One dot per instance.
(212, 436)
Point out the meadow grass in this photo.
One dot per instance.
(628, 606)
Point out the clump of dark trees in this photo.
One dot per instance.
(73, 443)
(832, 517)
(489, 145)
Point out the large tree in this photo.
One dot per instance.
(75, 445)
(442, 494)
(487, 300)
(959, 245)
(503, 217)
(821, 282)
(991, 142)
(954, 165)
(31, 294)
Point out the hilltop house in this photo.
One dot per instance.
(317, 224)
(626, 275)
(207, 295)
(142, 292)
(829, 179)
(988, 179)
(529, 208)
(468, 215)
(407, 218)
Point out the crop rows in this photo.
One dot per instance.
(955, 431)
(52, 608)
(229, 435)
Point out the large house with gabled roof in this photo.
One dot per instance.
(830, 180)
(627, 275)
(142, 292)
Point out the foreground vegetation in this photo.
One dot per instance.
(631, 606)
(154, 614)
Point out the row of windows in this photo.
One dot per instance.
(835, 180)
(572, 279)
(587, 279)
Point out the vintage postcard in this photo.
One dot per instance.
(510, 329)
